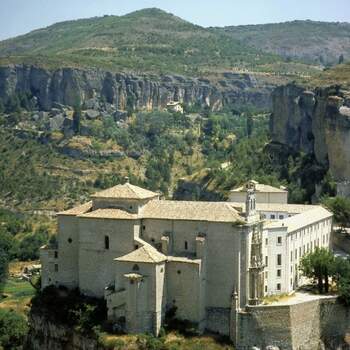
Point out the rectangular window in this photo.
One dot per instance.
(266, 274)
(266, 261)
(279, 259)
(265, 289)
(106, 242)
(278, 286)
(266, 241)
(279, 273)
(280, 217)
(291, 256)
(300, 252)
(279, 240)
(56, 254)
(272, 216)
(296, 253)
(56, 267)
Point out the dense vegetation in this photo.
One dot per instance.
(21, 236)
(13, 329)
(147, 40)
(314, 42)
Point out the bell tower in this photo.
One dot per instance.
(250, 203)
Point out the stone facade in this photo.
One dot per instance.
(145, 256)
(263, 193)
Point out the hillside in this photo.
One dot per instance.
(149, 40)
(309, 41)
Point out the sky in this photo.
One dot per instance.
(21, 16)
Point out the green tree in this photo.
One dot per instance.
(13, 329)
(319, 265)
(77, 119)
(340, 206)
(2, 107)
(6, 246)
(250, 125)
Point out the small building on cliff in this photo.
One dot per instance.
(204, 260)
(264, 194)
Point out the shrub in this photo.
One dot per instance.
(13, 329)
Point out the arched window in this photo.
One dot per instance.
(106, 242)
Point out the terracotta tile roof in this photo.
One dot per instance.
(145, 254)
(126, 191)
(194, 211)
(260, 188)
(110, 214)
(81, 209)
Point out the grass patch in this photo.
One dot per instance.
(170, 341)
(16, 294)
(276, 298)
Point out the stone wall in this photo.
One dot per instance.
(312, 325)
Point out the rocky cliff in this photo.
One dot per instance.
(69, 86)
(46, 335)
(314, 122)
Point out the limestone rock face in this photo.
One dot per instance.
(68, 86)
(315, 122)
(46, 335)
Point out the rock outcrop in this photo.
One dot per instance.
(45, 334)
(314, 122)
(68, 86)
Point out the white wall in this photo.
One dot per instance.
(294, 246)
(96, 268)
(261, 197)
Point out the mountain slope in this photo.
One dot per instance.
(312, 42)
(148, 40)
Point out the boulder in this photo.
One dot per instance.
(56, 123)
(92, 114)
